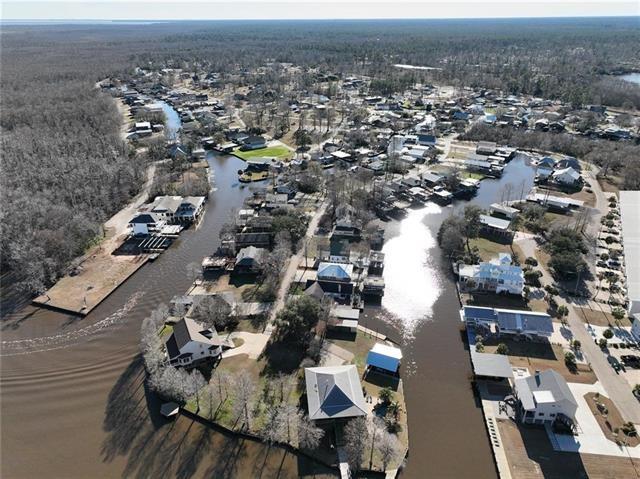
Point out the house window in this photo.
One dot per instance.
(540, 414)
(553, 414)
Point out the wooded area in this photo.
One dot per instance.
(65, 167)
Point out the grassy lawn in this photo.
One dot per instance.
(474, 176)
(261, 370)
(254, 176)
(166, 330)
(489, 249)
(359, 346)
(280, 152)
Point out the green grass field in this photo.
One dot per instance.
(280, 152)
(474, 176)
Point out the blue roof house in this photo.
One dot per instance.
(384, 357)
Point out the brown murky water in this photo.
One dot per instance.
(74, 404)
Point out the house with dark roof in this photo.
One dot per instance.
(333, 280)
(190, 343)
(253, 142)
(334, 393)
(144, 224)
(249, 260)
(544, 398)
(345, 229)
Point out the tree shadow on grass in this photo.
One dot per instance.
(282, 357)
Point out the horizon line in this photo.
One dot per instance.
(169, 20)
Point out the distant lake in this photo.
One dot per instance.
(632, 78)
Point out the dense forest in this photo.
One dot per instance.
(65, 168)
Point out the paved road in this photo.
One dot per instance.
(618, 389)
(292, 268)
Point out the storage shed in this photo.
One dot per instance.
(384, 357)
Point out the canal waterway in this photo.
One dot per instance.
(74, 404)
(631, 78)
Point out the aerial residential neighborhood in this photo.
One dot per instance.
(320, 248)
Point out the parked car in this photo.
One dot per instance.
(631, 360)
(615, 364)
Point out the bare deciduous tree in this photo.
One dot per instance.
(213, 311)
(388, 448)
(356, 438)
(244, 390)
(309, 435)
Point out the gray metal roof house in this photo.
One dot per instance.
(334, 392)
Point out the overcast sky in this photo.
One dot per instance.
(309, 9)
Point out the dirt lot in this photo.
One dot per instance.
(541, 356)
(99, 275)
(531, 456)
(610, 420)
(599, 318)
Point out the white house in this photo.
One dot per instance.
(496, 276)
(190, 208)
(191, 343)
(144, 224)
(566, 176)
(503, 209)
(166, 207)
(509, 321)
(334, 392)
(544, 397)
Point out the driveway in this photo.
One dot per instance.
(118, 223)
(253, 345)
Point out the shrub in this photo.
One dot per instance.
(386, 395)
(570, 359)
(602, 343)
(562, 311)
(576, 344)
(618, 313)
(502, 349)
(607, 334)
(531, 261)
